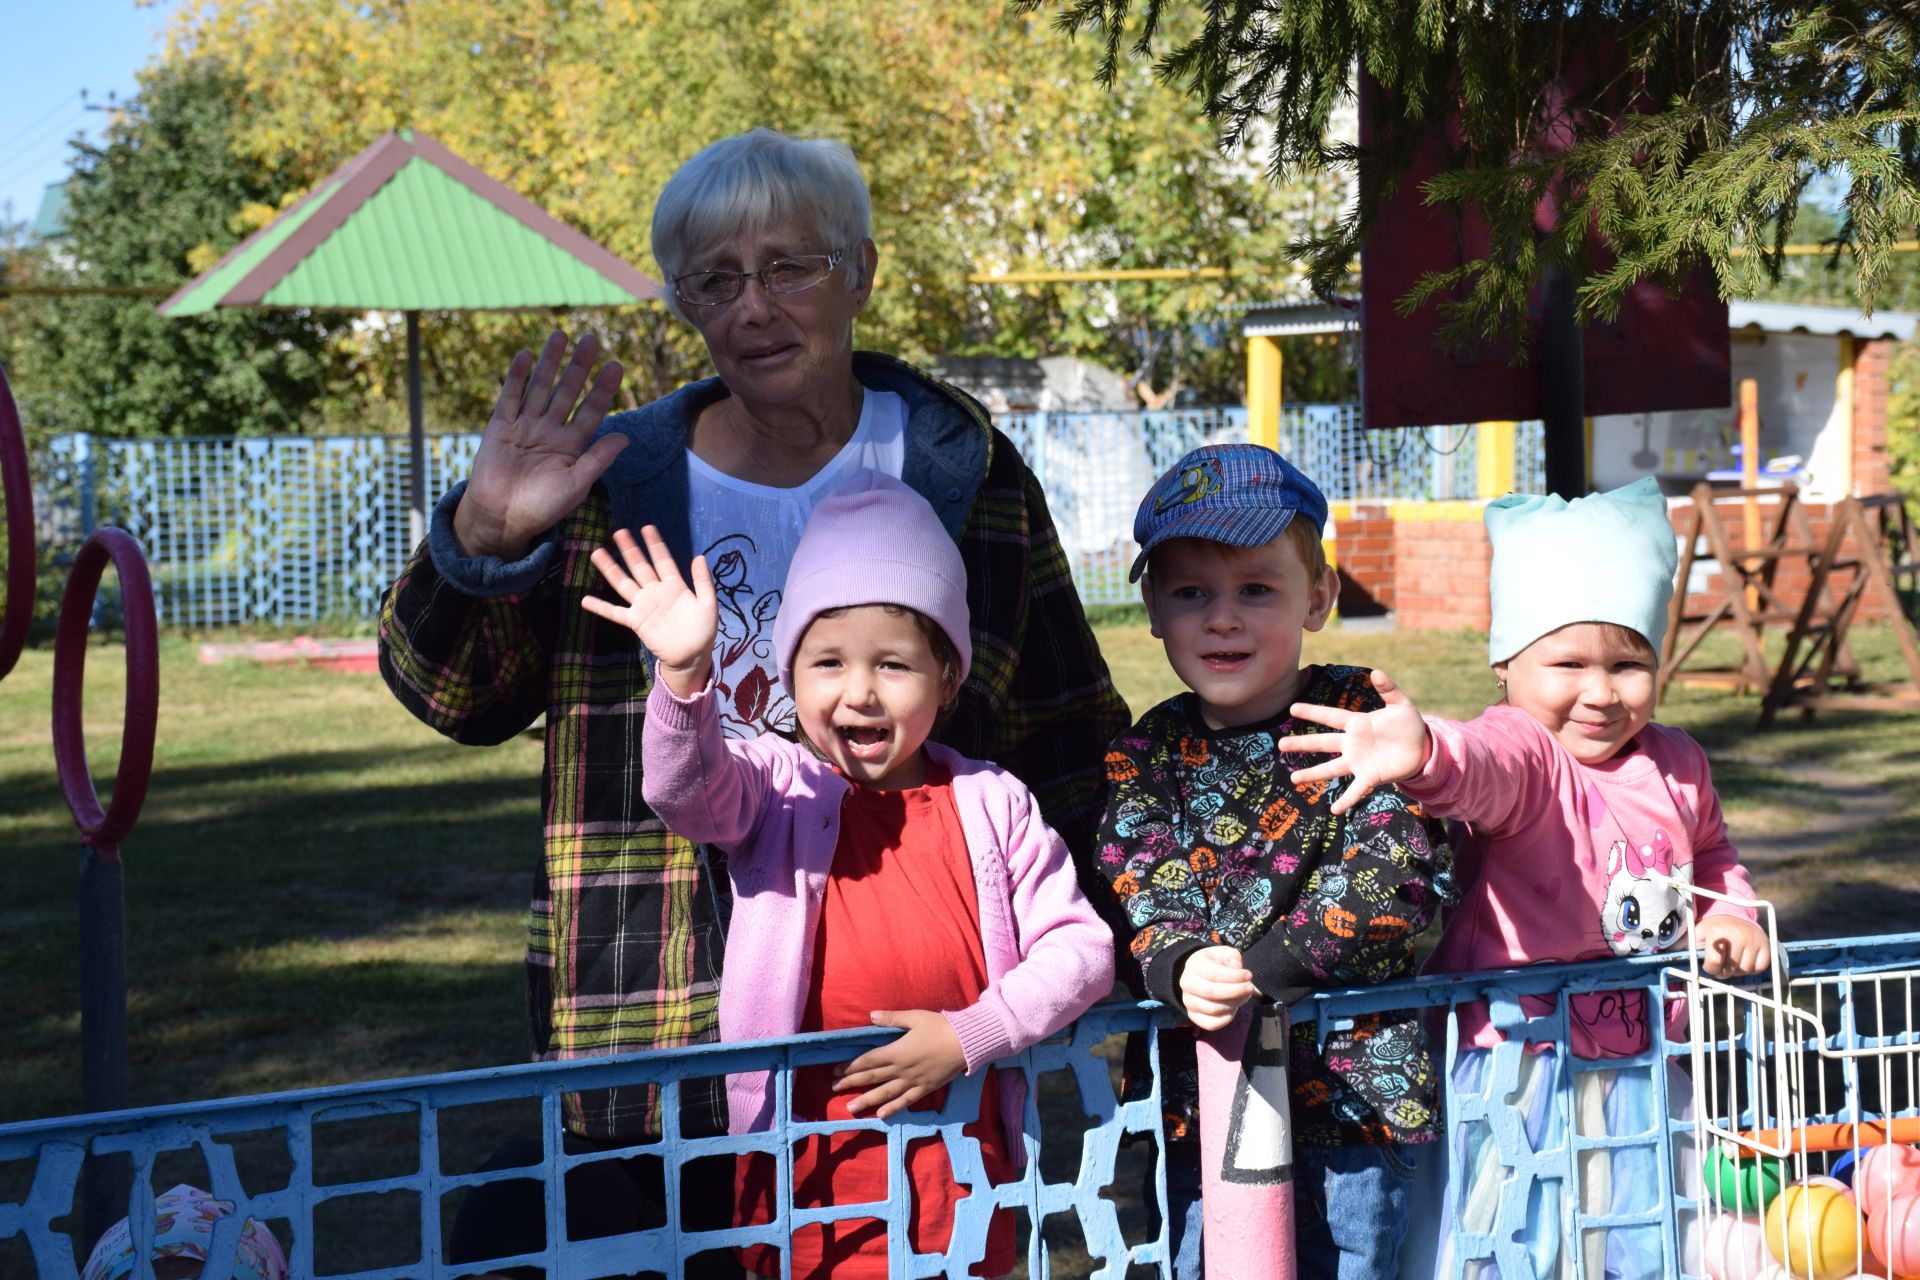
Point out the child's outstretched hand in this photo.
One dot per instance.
(1731, 947)
(1213, 986)
(901, 1072)
(675, 623)
(1376, 747)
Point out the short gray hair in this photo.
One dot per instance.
(757, 180)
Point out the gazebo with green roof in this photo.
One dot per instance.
(409, 226)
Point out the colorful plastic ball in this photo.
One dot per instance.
(1893, 1233)
(1883, 1171)
(1833, 1183)
(1746, 1184)
(1814, 1232)
(1734, 1249)
(1843, 1169)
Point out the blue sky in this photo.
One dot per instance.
(50, 51)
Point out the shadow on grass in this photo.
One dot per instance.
(295, 919)
(1833, 847)
(1839, 906)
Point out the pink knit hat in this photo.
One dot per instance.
(873, 541)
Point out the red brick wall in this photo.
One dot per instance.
(1437, 570)
(1872, 362)
(1364, 548)
(1440, 570)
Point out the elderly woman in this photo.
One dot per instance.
(767, 242)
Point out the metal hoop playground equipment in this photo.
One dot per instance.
(16, 489)
(103, 942)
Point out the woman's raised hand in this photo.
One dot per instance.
(1375, 747)
(534, 464)
(676, 623)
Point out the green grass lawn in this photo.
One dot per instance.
(321, 889)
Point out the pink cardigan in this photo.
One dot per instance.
(774, 807)
(1557, 858)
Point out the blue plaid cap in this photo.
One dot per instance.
(1241, 494)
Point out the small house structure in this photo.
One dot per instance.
(1823, 381)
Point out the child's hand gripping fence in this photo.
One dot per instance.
(365, 1180)
(1806, 1092)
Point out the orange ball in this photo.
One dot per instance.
(1814, 1232)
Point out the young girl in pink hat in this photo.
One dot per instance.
(879, 879)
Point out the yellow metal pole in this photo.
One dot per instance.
(1493, 442)
(1095, 277)
(1330, 547)
(1263, 391)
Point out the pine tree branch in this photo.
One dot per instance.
(1738, 106)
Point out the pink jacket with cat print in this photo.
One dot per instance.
(1554, 863)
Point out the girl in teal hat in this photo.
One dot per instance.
(1581, 827)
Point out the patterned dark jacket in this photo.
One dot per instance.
(625, 937)
(1207, 841)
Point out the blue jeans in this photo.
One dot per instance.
(1183, 1209)
(1350, 1207)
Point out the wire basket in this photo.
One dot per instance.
(1806, 1103)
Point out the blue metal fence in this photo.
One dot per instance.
(292, 529)
(300, 1186)
(1073, 1175)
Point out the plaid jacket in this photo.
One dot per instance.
(625, 933)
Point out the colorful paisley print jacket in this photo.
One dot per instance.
(1206, 841)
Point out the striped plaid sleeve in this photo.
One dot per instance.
(473, 668)
(626, 943)
(1046, 706)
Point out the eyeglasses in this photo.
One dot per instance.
(783, 275)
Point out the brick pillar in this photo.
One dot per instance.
(1366, 558)
(1872, 361)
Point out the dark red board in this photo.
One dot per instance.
(1662, 352)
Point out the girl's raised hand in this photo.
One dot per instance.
(675, 623)
(1375, 747)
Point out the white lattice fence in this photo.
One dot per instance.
(292, 530)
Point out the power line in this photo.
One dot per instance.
(67, 105)
(29, 161)
(35, 136)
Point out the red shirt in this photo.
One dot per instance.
(899, 929)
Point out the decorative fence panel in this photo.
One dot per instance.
(350, 1199)
(286, 531)
(366, 1180)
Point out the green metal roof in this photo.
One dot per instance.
(408, 226)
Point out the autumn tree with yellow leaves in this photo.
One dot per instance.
(987, 146)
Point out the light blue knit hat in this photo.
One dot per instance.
(1607, 557)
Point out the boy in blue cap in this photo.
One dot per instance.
(1239, 886)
